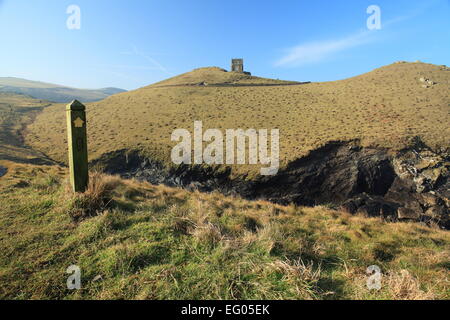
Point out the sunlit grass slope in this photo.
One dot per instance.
(385, 108)
(218, 76)
(137, 241)
(16, 112)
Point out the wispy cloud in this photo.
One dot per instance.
(129, 67)
(313, 52)
(154, 63)
(317, 51)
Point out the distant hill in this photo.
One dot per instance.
(53, 92)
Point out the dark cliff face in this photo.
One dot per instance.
(3, 171)
(411, 185)
(331, 174)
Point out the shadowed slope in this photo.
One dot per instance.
(16, 112)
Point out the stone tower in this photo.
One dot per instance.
(237, 65)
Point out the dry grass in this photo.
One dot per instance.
(156, 242)
(385, 107)
(297, 269)
(207, 233)
(403, 286)
(216, 76)
(95, 199)
(16, 112)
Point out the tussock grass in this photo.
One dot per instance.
(157, 242)
(207, 233)
(405, 287)
(301, 278)
(95, 199)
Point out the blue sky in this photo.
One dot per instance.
(130, 44)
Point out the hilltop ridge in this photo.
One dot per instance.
(217, 76)
(385, 107)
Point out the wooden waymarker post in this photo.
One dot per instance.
(77, 141)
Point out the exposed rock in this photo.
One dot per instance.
(432, 176)
(422, 184)
(425, 163)
(331, 174)
(406, 213)
(430, 200)
(435, 212)
(371, 206)
(426, 82)
(3, 171)
(412, 184)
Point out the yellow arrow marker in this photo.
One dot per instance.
(77, 143)
(78, 123)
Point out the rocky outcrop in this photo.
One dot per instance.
(422, 184)
(410, 185)
(419, 192)
(3, 171)
(426, 82)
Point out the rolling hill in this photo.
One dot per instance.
(215, 76)
(53, 92)
(135, 240)
(16, 112)
(383, 108)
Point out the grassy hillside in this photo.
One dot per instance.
(217, 76)
(53, 92)
(385, 107)
(16, 112)
(137, 241)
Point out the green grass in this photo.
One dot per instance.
(155, 242)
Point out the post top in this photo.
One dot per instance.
(75, 105)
